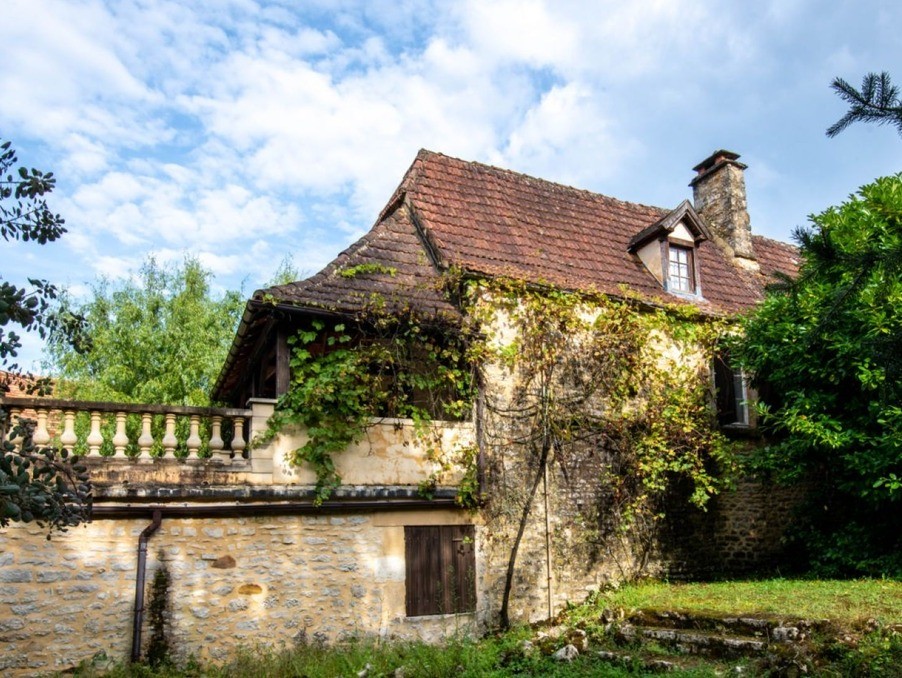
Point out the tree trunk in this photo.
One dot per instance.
(524, 518)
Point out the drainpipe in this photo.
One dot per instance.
(139, 583)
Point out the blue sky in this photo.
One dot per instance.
(245, 131)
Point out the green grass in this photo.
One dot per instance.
(844, 602)
(496, 656)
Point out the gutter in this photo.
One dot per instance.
(111, 511)
(139, 583)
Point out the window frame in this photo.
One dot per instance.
(730, 386)
(691, 277)
(439, 569)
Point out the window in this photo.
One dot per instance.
(440, 569)
(731, 393)
(681, 272)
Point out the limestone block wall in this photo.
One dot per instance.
(273, 580)
(741, 533)
(390, 453)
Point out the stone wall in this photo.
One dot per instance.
(741, 533)
(274, 580)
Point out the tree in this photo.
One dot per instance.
(40, 484)
(827, 350)
(878, 101)
(25, 216)
(160, 338)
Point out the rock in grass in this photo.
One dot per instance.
(566, 654)
(577, 638)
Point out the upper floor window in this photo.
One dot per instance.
(669, 249)
(732, 395)
(681, 269)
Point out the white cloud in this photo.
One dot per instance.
(521, 31)
(567, 137)
(241, 130)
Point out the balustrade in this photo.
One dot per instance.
(139, 433)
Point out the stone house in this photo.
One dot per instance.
(254, 558)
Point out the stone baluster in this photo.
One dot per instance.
(238, 441)
(95, 437)
(169, 439)
(145, 441)
(217, 453)
(194, 441)
(14, 414)
(68, 439)
(120, 440)
(41, 435)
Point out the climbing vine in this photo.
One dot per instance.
(572, 377)
(563, 378)
(345, 374)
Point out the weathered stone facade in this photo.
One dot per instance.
(720, 199)
(254, 561)
(743, 531)
(236, 581)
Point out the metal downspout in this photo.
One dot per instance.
(139, 583)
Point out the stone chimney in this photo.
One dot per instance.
(718, 191)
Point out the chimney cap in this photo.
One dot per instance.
(715, 160)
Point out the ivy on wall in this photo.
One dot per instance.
(346, 374)
(562, 375)
(573, 376)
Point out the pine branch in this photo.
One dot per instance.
(878, 102)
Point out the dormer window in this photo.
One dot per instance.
(681, 269)
(668, 250)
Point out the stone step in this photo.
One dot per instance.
(708, 643)
(771, 629)
(648, 664)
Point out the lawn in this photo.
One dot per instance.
(844, 602)
(847, 604)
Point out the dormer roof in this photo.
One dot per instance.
(683, 214)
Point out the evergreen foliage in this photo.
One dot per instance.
(878, 101)
(827, 348)
(158, 650)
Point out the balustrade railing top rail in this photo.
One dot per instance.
(135, 431)
(102, 406)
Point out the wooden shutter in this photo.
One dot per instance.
(460, 576)
(423, 563)
(440, 569)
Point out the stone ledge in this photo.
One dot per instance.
(216, 492)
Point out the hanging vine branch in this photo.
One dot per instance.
(375, 365)
(573, 374)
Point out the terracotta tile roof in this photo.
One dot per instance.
(775, 257)
(498, 222)
(389, 264)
